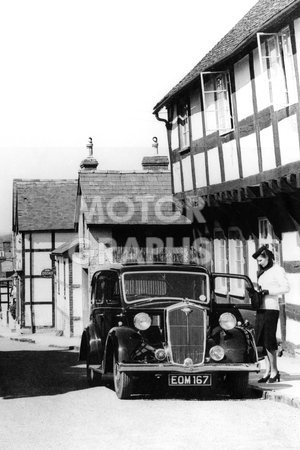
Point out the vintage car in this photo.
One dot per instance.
(180, 322)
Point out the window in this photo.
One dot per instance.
(276, 57)
(216, 102)
(184, 125)
(267, 237)
(236, 261)
(220, 259)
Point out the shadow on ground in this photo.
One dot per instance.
(37, 373)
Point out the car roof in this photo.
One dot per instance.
(159, 267)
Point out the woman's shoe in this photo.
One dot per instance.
(274, 379)
(264, 379)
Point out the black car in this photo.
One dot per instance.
(179, 322)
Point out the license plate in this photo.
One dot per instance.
(190, 380)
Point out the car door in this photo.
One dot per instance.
(229, 291)
(112, 302)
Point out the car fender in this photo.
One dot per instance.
(91, 344)
(120, 342)
(235, 345)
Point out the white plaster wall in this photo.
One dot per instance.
(177, 177)
(18, 252)
(293, 331)
(41, 240)
(261, 83)
(62, 238)
(267, 148)
(243, 88)
(214, 169)
(200, 171)
(249, 155)
(27, 264)
(187, 174)
(174, 131)
(291, 252)
(230, 158)
(297, 38)
(62, 306)
(293, 296)
(289, 140)
(291, 246)
(40, 261)
(26, 242)
(41, 288)
(196, 119)
(42, 315)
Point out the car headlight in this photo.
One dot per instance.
(142, 321)
(216, 353)
(227, 321)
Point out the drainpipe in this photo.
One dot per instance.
(168, 125)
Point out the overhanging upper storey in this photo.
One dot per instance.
(233, 122)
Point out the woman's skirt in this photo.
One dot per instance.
(265, 328)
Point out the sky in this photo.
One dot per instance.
(71, 69)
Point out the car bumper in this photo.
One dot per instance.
(173, 368)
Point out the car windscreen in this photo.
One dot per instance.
(166, 284)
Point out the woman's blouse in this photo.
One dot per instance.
(275, 281)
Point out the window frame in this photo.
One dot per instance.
(282, 57)
(223, 286)
(183, 122)
(235, 284)
(228, 91)
(270, 240)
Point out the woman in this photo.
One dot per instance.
(272, 282)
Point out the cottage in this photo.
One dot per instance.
(233, 127)
(121, 217)
(43, 219)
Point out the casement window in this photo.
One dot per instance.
(220, 260)
(184, 125)
(216, 102)
(267, 237)
(276, 58)
(236, 260)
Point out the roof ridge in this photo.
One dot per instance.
(233, 40)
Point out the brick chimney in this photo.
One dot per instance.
(89, 163)
(156, 162)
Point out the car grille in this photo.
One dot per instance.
(186, 327)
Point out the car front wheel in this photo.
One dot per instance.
(123, 383)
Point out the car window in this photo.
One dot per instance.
(100, 290)
(139, 285)
(113, 291)
(106, 289)
(231, 290)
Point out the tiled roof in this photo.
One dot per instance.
(41, 205)
(66, 247)
(255, 20)
(113, 197)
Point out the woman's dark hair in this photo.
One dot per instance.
(264, 252)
